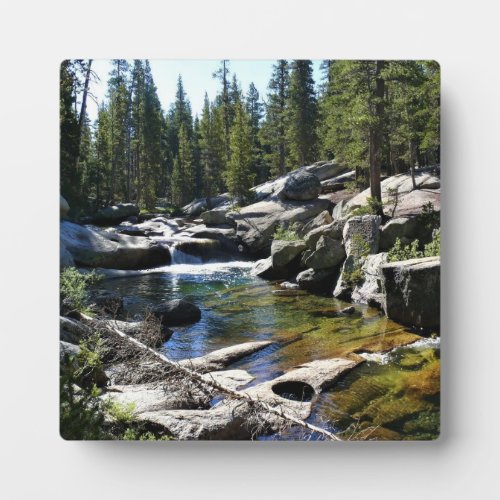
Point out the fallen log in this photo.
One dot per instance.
(213, 384)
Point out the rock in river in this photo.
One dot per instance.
(329, 253)
(411, 291)
(177, 312)
(316, 280)
(283, 252)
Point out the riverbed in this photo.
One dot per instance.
(394, 394)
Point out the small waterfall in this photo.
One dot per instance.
(180, 257)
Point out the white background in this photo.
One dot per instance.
(36, 36)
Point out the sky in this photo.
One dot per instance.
(196, 76)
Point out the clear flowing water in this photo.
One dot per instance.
(394, 394)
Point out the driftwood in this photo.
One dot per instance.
(213, 384)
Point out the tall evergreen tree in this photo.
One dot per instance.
(239, 176)
(276, 122)
(255, 110)
(223, 102)
(302, 114)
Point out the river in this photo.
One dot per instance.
(394, 395)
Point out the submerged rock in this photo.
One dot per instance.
(177, 312)
(216, 360)
(302, 186)
(411, 291)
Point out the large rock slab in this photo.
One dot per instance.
(116, 213)
(231, 419)
(302, 186)
(216, 360)
(362, 235)
(411, 291)
(224, 234)
(284, 252)
(94, 248)
(329, 253)
(256, 223)
(398, 196)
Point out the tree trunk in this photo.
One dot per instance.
(412, 165)
(83, 110)
(376, 137)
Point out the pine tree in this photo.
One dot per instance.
(183, 176)
(223, 103)
(152, 140)
(209, 157)
(239, 176)
(274, 128)
(255, 110)
(196, 147)
(302, 114)
(118, 95)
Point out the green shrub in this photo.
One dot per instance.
(84, 415)
(373, 207)
(411, 251)
(354, 277)
(359, 247)
(433, 249)
(82, 412)
(429, 217)
(286, 233)
(74, 287)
